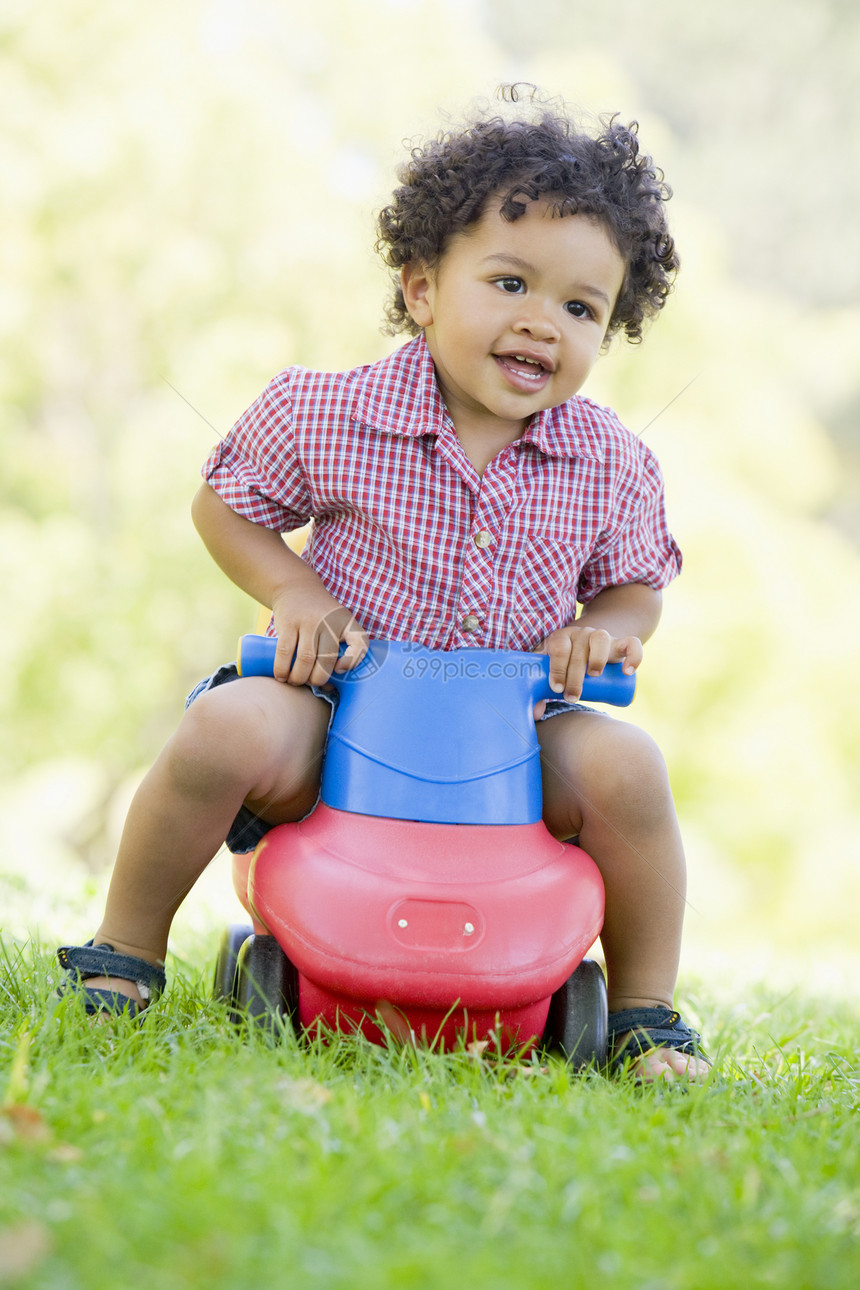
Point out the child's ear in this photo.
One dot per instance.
(416, 283)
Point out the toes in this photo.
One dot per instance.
(668, 1064)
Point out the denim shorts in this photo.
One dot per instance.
(248, 829)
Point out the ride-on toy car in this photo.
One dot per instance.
(424, 895)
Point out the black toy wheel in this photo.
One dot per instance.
(577, 1024)
(234, 937)
(267, 983)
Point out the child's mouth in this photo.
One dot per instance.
(523, 371)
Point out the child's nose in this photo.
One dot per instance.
(537, 321)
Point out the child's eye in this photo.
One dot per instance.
(511, 285)
(578, 309)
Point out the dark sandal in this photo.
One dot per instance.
(647, 1029)
(82, 962)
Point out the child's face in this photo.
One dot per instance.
(515, 315)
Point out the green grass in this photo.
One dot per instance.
(178, 1154)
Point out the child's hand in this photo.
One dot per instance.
(311, 628)
(574, 651)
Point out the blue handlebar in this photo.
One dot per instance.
(257, 658)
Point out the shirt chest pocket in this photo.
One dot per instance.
(547, 580)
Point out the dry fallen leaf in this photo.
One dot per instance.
(26, 1123)
(394, 1023)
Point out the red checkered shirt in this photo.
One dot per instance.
(409, 536)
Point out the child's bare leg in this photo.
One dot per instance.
(255, 741)
(606, 781)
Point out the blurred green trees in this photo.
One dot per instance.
(188, 195)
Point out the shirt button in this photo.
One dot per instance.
(483, 538)
(470, 623)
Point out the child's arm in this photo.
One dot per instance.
(309, 622)
(610, 629)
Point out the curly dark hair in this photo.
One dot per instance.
(449, 180)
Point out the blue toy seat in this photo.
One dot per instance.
(444, 736)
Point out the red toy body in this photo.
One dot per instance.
(456, 927)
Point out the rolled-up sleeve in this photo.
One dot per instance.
(637, 545)
(256, 469)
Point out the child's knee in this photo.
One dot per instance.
(610, 769)
(215, 720)
(627, 774)
(251, 732)
(222, 734)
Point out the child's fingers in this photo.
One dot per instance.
(315, 665)
(284, 655)
(357, 645)
(558, 647)
(326, 658)
(590, 653)
(305, 656)
(573, 652)
(569, 656)
(308, 648)
(629, 652)
(309, 666)
(600, 650)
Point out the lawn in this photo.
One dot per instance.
(180, 1153)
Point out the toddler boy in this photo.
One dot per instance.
(462, 493)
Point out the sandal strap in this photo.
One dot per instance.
(96, 1001)
(87, 961)
(650, 1028)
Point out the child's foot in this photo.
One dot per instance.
(668, 1064)
(655, 1044)
(110, 982)
(119, 988)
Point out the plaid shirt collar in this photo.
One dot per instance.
(400, 396)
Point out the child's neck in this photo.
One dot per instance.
(482, 444)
